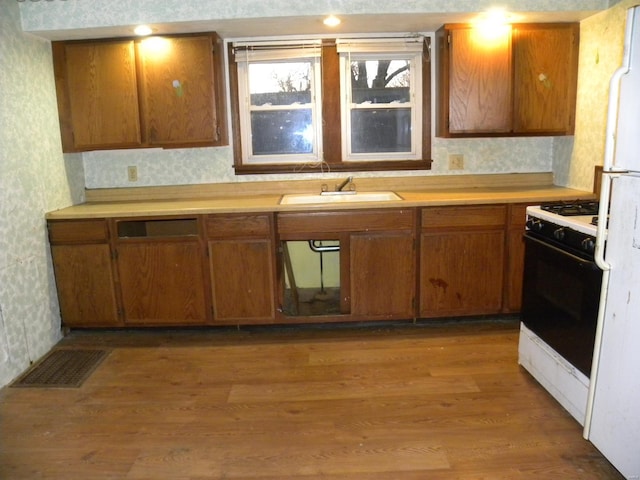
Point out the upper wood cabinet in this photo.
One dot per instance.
(152, 92)
(545, 59)
(479, 81)
(97, 95)
(520, 80)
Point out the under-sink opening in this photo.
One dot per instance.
(312, 277)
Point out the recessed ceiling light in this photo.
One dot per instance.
(331, 21)
(143, 30)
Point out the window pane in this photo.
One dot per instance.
(280, 83)
(282, 132)
(380, 81)
(381, 130)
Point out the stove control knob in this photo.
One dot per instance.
(589, 244)
(535, 224)
(558, 234)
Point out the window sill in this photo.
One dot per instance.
(376, 166)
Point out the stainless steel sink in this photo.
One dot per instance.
(348, 197)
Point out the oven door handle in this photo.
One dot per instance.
(582, 263)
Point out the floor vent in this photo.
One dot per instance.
(62, 369)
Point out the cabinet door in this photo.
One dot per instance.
(84, 279)
(515, 257)
(479, 81)
(382, 275)
(242, 280)
(462, 260)
(162, 282)
(178, 90)
(100, 89)
(545, 64)
(461, 273)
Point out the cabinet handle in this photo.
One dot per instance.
(544, 80)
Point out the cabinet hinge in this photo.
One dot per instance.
(448, 39)
(114, 254)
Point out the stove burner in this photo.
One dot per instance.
(572, 208)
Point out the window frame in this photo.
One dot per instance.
(331, 121)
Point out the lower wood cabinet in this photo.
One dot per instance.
(383, 274)
(376, 261)
(515, 257)
(241, 265)
(161, 271)
(83, 268)
(395, 263)
(462, 254)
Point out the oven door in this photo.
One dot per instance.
(561, 294)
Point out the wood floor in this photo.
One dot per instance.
(393, 402)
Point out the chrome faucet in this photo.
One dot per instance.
(340, 188)
(347, 181)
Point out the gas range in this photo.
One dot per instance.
(560, 300)
(569, 225)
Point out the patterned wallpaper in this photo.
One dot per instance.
(107, 169)
(34, 179)
(601, 45)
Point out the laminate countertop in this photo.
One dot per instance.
(270, 202)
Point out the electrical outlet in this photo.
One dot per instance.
(456, 161)
(132, 173)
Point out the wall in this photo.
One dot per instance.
(601, 45)
(34, 179)
(107, 169)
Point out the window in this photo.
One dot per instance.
(339, 105)
(280, 100)
(380, 105)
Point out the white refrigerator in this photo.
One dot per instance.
(612, 420)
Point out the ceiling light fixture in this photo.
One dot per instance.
(331, 21)
(143, 30)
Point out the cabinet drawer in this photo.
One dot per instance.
(238, 226)
(78, 231)
(464, 216)
(362, 221)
